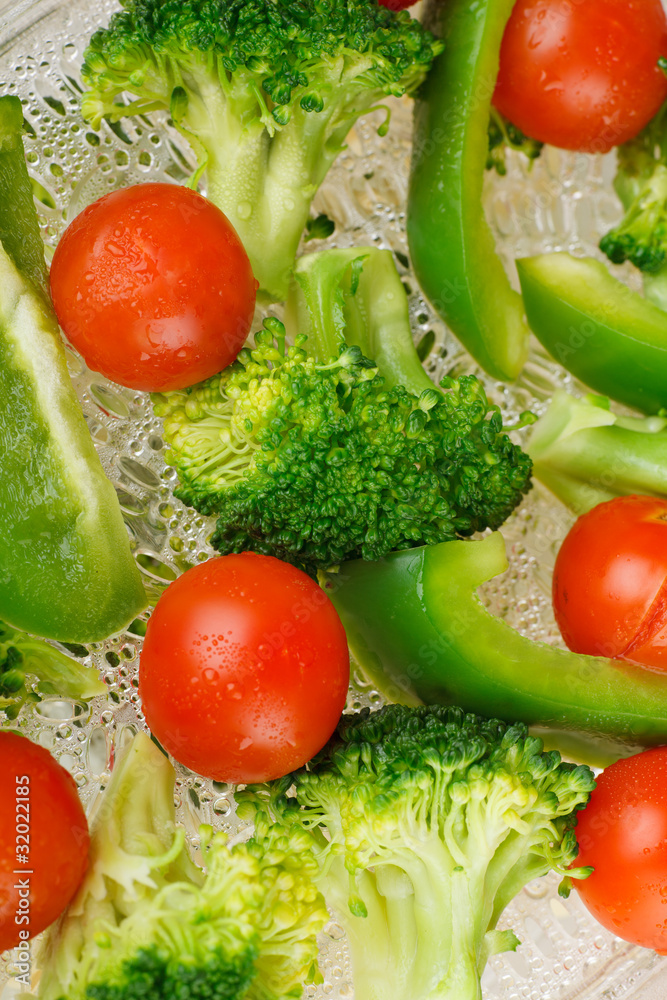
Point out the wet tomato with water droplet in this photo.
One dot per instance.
(245, 668)
(622, 834)
(582, 75)
(610, 582)
(43, 840)
(153, 287)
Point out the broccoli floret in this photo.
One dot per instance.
(586, 454)
(55, 673)
(319, 228)
(317, 463)
(503, 136)
(265, 91)
(641, 184)
(428, 822)
(641, 237)
(147, 924)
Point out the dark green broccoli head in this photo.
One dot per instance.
(641, 184)
(641, 237)
(318, 463)
(265, 91)
(148, 925)
(283, 49)
(249, 931)
(152, 974)
(503, 136)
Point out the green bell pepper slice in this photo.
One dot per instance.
(608, 336)
(420, 633)
(451, 245)
(66, 569)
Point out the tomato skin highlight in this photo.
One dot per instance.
(622, 834)
(153, 287)
(609, 582)
(58, 838)
(245, 668)
(582, 75)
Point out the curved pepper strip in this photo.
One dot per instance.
(418, 630)
(605, 334)
(451, 245)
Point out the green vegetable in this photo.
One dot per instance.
(66, 570)
(355, 297)
(427, 822)
(610, 337)
(56, 673)
(19, 227)
(503, 136)
(586, 454)
(316, 463)
(451, 244)
(319, 228)
(265, 90)
(146, 924)
(419, 632)
(641, 184)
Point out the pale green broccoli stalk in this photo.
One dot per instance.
(147, 924)
(586, 454)
(428, 822)
(355, 297)
(317, 463)
(22, 658)
(266, 92)
(641, 184)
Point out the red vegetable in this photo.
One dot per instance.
(245, 668)
(397, 4)
(582, 75)
(622, 833)
(43, 839)
(610, 581)
(152, 286)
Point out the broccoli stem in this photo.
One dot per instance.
(264, 177)
(355, 297)
(585, 454)
(655, 287)
(422, 903)
(268, 201)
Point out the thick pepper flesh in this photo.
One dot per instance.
(418, 630)
(451, 245)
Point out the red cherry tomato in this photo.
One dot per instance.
(582, 75)
(43, 837)
(622, 834)
(397, 4)
(152, 286)
(245, 668)
(610, 582)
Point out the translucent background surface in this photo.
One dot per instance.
(565, 202)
